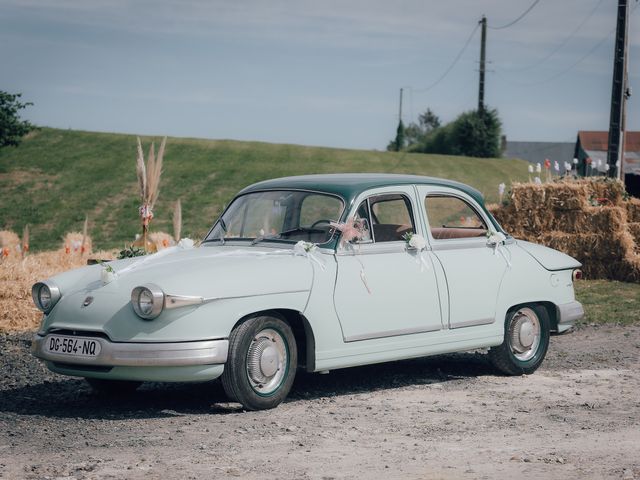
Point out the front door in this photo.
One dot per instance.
(382, 289)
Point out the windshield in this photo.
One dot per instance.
(279, 215)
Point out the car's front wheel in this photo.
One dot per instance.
(261, 363)
(526, 339)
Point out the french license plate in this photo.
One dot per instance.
(75, 346)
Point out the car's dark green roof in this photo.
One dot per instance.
(350, 185)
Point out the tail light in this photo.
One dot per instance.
(577, 275)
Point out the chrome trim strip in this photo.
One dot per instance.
(568, 313)
(459, 245)
(185, 300)
(208, 352)
(397, 246)
(177, 301)
(472, 323)
(391, 333)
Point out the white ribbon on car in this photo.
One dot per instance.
(304, 249)
(496, 240)
(419, 244)
(307, 249)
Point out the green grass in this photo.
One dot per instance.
(607, 301)
(57, 176)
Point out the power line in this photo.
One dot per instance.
(561, 44)
(573, 65)
(513, 22)
(453, 64)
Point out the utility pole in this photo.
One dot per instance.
(483, 51)
(399, 141)
(619, 93)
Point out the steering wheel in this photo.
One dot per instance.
(317, 222)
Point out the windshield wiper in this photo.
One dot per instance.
(271, 236)
(224, 230)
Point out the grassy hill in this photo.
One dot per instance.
(57, 176)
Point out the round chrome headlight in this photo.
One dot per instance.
(45, 295)
(147, 301)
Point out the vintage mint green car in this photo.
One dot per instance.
(314, 272)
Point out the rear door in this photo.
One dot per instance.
(457, 229)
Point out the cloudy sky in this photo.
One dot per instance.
(313, 72)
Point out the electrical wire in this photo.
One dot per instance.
(561, 44)
(513, 22)
(453, 64)
(576, 63)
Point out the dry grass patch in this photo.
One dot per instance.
(17, 275)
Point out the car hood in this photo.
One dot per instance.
(549, 258)
(209, 272)
(217, 271)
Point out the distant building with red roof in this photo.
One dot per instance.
(594, 145)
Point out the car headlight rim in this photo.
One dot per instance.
(147, 301)
(45, 295)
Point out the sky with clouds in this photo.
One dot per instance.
(311, 72)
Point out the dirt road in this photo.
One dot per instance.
(446, 417)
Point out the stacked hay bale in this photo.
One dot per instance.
(9, 244)
(587, 219)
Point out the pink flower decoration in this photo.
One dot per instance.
(352, 229)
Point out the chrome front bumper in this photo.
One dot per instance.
(568, 313)
(112, 354)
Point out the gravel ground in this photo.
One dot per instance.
(445, 417)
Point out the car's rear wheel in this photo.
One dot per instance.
(526, 340)
(261, 363)
(112, 387)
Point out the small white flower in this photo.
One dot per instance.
(567, 166)
(606, 167)
(496, 238)
(575, 161)
(537, 181)
(530, 168)
(501, 188)
(599, 163)
(302, 248)
(538, 168)
(418, 242)
(185, 243)
(556, 166)
(107, 275)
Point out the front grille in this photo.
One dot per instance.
(77, 333)
(82, 368)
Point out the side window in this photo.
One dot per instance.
(451, 217)
(391, 217)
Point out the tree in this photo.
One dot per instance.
(416, 133)
(475, 133)
(398, 143)
(12, 128)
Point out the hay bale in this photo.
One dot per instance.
(591, 219)
(549, 196)
(605, 190)
(633, 209)
(9, 244)
(73, 244)
(17, 312)
(161, 240)
(634, 230)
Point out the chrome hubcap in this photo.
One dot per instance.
(524, 334)
(266, 361)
